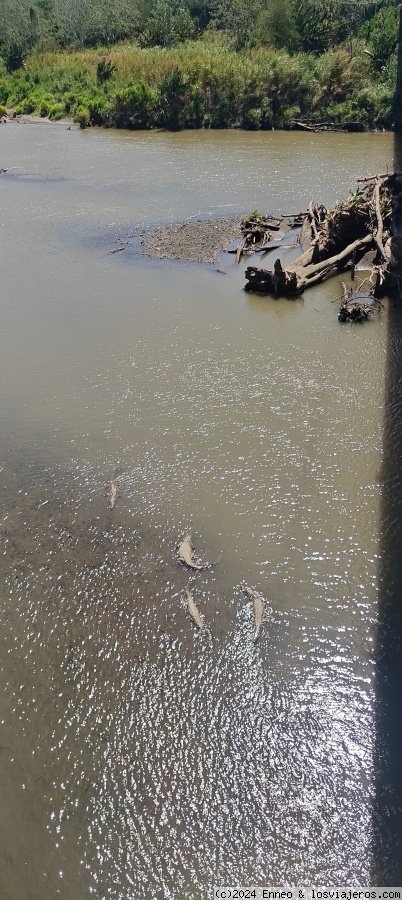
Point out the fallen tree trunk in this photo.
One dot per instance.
(279, 281)
(296, 277)
(324, 126)
(335, 239)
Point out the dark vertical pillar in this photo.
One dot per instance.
(387, 805)
(398, 93)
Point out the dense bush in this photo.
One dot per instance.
(82, 116)
(26, 107)
(4, 92)
(206, 83)
(104, 71)
(134, 107)
(172, 100)
(381, 34)
(44, 108)
(57, 111)
(14, 56)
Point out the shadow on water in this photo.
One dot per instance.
(387, 818)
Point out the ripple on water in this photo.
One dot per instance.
(175, 756)
(155, 757)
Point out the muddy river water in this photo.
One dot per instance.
(142, 758)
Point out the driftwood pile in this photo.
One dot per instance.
(326, 126)
(257, 234)
(337, 239)
(357, 306)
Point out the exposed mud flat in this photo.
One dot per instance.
(201, 240)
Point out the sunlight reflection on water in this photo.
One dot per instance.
(156, 758)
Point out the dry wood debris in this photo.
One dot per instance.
(326, 126)
(357, 306)
(257, 233)
(337, 239)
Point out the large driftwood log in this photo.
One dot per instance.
(296, 277)
(279, 281)
(327, 126)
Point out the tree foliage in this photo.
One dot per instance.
(14, 56)
(314, 25)
(381, 33)
(276, 26)
(168, 23)
(326, 23)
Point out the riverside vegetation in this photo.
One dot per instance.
(201, 63)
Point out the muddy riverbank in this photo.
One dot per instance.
(13, 118)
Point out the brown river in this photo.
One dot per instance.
(140, 757)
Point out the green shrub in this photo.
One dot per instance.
(3, 111)
(288, 115)
(266, 113)
(68, 100)
(205, 83)
(14, 56)
(18, 90)
(224, 105)
(99, 110)
(381, 32)
(172, 100)
(80, 100)
(193, 114)
(135, 107)
(26, 107)
(275, 26)
(167, 26)
(251, 216)
(337, 74)
(82, 116)
(252, 119)
(154, 35)
(57, 111)
(4, 92)
(105, 70)
(44, 108)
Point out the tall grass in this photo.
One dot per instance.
(201, 83)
